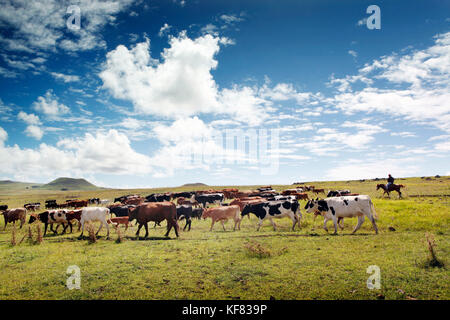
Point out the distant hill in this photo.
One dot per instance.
(8, 185)
(69, 184)
(197, 184)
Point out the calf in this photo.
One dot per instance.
(185, 212)
(12, 215)
(52, 217)
(343, 207)
(120, 220)
(155, 211)
(222, 214)
(95, 214)
(275, 209)
(197, 213)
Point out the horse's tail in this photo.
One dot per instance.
(372, 208)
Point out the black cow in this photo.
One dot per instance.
(157, 197)
(3, 207)
(274, 209)
(186, 195)
(337, 193)
(185, 212)
(51, 204)
(197, 213)
(121, 211)
(209, 198)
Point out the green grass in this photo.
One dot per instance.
(304, 264)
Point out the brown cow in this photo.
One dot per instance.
(12, 215)
(77, 203)
(302, 196)
(134, 201)
(120, 220)
(155, 211)
(222, 214)
(318, 191)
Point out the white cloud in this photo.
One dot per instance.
(179, 86)
(65, 77)
(34, 132)
(164, 29)
(41, 24)
(404, 134)
(49, 105)
(353, 53)
(426, 75)
(31, 118)
(90, 154)
(230, 18)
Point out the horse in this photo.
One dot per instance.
(392, 187)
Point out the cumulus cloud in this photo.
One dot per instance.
(49, 105)
(109, 152)
(181, 84)
(31, 118)
(41, 24)
(34, 132)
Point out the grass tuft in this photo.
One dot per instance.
(13, 236)
(432, 261)
(91, 231)
(256, 249)
(119, 235)
(39, 237)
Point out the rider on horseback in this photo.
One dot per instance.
(390, 181)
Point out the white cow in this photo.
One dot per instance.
(104, 202)
(344, 207)
(95, 214)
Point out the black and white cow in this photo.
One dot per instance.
(209, 198)
(186, 194)
(51, 217)
(157, 197)
(274, 209)
(344, 207)
(185, 212)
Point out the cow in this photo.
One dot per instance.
(3, 207)
(158, 197)
(134, 201)
(186, 194)
(120, 220)
(95, 214)
(104, 202)
(51, 217)
(73, 215)
(77, 203)
(222, 214)
(51, 204)
(275, 209)
(94, 201)
(317, 191)
(32, 206)
(343, 207)
(183, 201)
(211, 198)
(120, 211)
(230, 193)
(338, 193)
(12, 215)
(185, 212)
(197, 213)
(155, 211)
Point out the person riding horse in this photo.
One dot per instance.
(390, 181)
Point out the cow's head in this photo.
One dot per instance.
(246, 210)
(132, 213)
(206, 213)
(316, 205)
(33, 218)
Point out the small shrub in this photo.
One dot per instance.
(256, 249)
(433, 260)
(13, 236)
(91, 231)
(39, 237)
(119, 235)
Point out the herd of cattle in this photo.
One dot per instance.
(264, 203)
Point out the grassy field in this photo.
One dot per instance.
(305, 264)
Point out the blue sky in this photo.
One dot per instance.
(144, 87)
